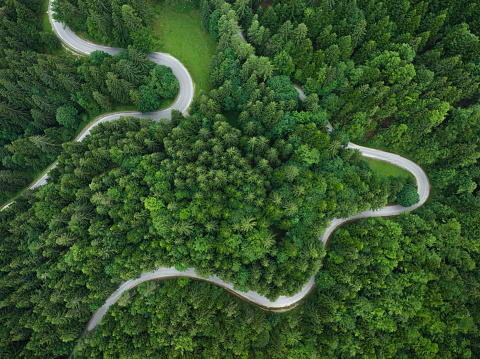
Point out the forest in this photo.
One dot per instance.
(116, 23)
(45, 98)
(244, 185)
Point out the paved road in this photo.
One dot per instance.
(184, 97)
(162, 272)
(182, 103)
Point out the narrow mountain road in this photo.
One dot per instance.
(182, 103)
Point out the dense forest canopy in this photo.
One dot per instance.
(252, 216)
(117, 23)
(243, 186)
(44, 98)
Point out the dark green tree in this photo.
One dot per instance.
(408, 196)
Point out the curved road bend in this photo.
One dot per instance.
(185, 95)
(182, 103)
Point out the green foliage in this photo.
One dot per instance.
(53, 236)
(284, 64)
(407, 263)
(213, 25)
(163, 81)
(124, 201)
(119, 23)
(408, 196)
(145, 39)
(44, 98)
(149, 99)
(245, 203)
(12, 181)
(50, 40)
(420, 262)
(128, 77)
(67, 115)
(18, 31)
(33, 87)
(187, 312)
(97, 57)
(387, 73)
(283, 88)
(224, 175)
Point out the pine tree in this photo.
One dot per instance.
(130, 18)
(103, 100)
(117, 88)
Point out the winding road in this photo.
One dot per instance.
(182, 104)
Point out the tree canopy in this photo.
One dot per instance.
(243, 187)
(44, 99)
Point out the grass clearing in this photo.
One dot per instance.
(46, 26)
(385, 169)
(182, 36)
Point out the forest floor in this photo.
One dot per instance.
(386, 169)
(182, 36)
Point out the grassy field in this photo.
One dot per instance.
(182, 35)
(386, 169)
(46, 26)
